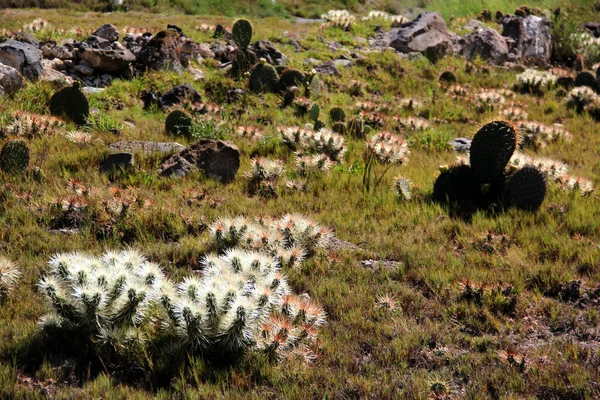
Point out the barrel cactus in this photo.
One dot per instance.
(337, 114)
(14, 157)
(179, 123)
(291, 77)
(263, 78)
(70, 103)
(526, 188)
(491, 149)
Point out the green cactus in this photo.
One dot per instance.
(339, 127)
(242, 33)
(337, 114)
(492, 147)
(586, 78)
(315, 87)
(291, 77)
(454, 186)
(70, 103)
(356, 126)
(179, 123)
(263, 78)
(14, 157)
(526, 188)
(447, 77)
(314, 112)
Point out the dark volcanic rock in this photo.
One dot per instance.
(10, 79)
(218, 159)
(108, 32)
(485, 43)
(427, 34)
(531, 38)
(24, 57)
(107, 60)
(161, 52)
(116, 162)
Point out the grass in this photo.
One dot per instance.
(471, 338)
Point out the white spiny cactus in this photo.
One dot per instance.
(389, 148)
(9, 275)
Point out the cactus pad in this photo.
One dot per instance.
(526, 188)
(492, 147)
(242, 33)
(263, 78)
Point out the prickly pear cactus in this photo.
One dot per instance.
(14, 157)
(315, 87)
(454, 185)
(242, 33)
(179, 123)
(70, 103)
(526, 188)
(263, 78)
(586, 78)
(314, 112)
(337, 114)
(491, 149)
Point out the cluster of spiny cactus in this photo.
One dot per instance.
(289, 239)
(31, 125)
(534, 81)
(323, 141)
(14, 157)
(242, 302)
(263, 176)
(9, 274)
(487, 181)
(307, 164)
(382, 15)
(539, 135)
(412, 123)
(339, 19)
(388, 148)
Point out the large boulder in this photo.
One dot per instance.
(217, 158)
(427, 34)
(161, 52)
(530, 38)
(24, 57)
(10, 79)
(108, 32)
(485, 43)
(107, 60)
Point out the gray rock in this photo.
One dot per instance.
(265, 49)
(531, 38)
(84, 69)
(96, 42)
(52, 50)
(427, 34)
(116, 162)
(473, 25)
(10, 79)
(218, 159)
(461, 144)
(92, 90)
(107, 60)
(161, 52)
(24, 57)
(328, 68)
(146, 147)
(205, 51)
(108, 32)
(485, 43)
(27, 37)
(339, 63)
(56, 78)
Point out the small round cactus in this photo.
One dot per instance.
(179, 123)
(263, 78)
(70, 103)
(526, 188)
(14, 157)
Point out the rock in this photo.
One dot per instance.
(92, 90)
(461, 144)
(265, 49)
(341, 63)
(205, 51)
(10, 79)
(107, 60)
(328, 68)
(427, 34)
(473, 25)
(117, 161)
(96, 42)
(52, 50)
(24, 57)
(485, 43)
(178, 95)
(161, 52)
(593, 27)
(56, 78)
(56, 64)
(196, 73)
(146, 147)
(83, 69)
(218, 159)
(531, 38)
(108, 32)
(189, 51)
(24, 36)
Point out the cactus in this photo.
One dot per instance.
(447, 77)
(403, 188)
(314, 112)
(314, 87)
(179, 123)
(357, 127)
(14, 157)
(242, 33)
(454, 186)
(263, 78)
(337, 114)
(291, 77)
(526, 188)
(492, 147)
(586, 78)
(70, 103)
(9, 275)
(339, 127)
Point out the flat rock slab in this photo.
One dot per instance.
(146, 147)
(217, 158)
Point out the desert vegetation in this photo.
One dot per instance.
(197, 206)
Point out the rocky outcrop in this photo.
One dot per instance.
(485, 43)
(529, 38)
(24, 57)
(107, 60)
(427, 34)
(161, 52)
(216, 158)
